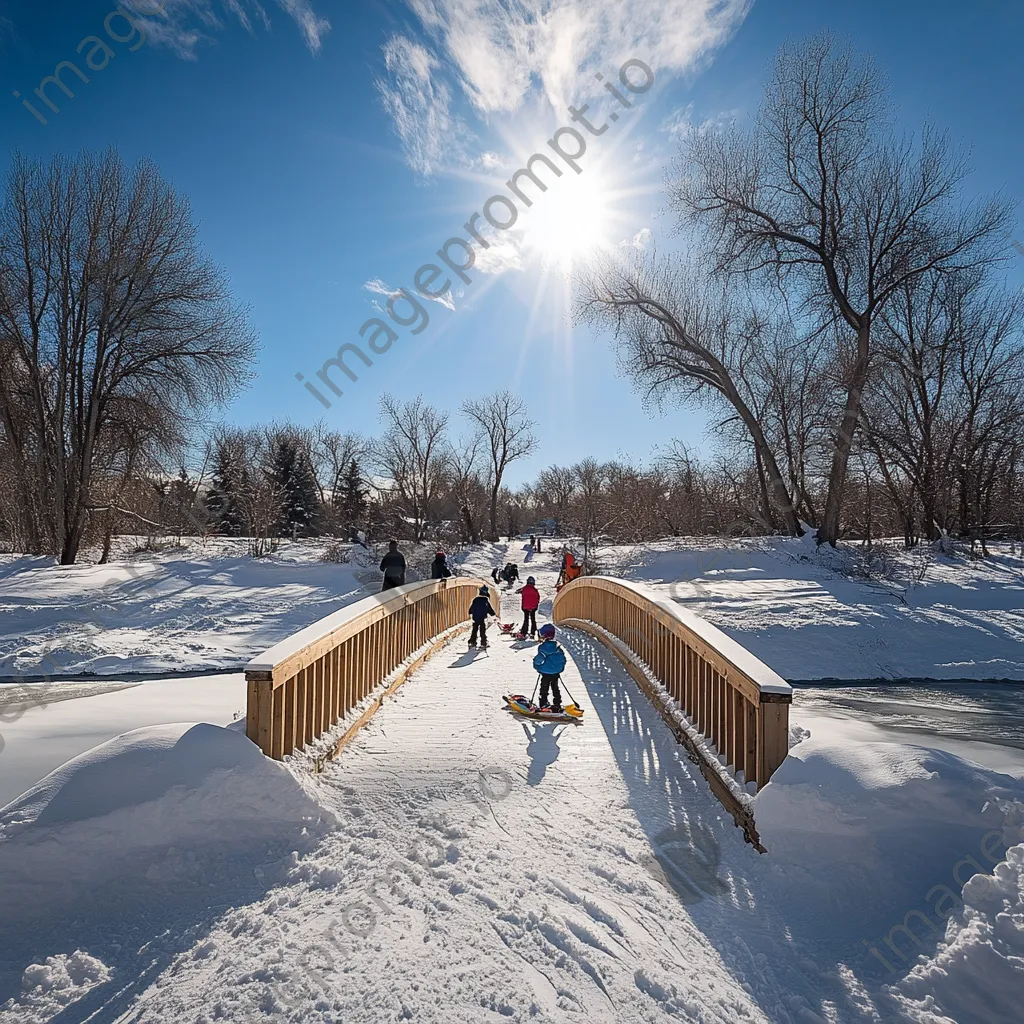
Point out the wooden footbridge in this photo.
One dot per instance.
(729, 709)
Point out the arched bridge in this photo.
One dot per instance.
(314, 691)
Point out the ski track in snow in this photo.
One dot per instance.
(490, 868)
(485, 868)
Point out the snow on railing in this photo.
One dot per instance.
(299, 688)
(730, 696)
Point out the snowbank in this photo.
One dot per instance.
(202, 608)
(978, 972)
(871, 842)
(138, 831)
(59, 721)
(824, 614)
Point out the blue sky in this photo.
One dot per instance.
(330, 148)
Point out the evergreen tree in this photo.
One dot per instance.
(291, 472)
(350, 501)
(222, 500)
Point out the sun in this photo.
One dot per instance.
(572, 221)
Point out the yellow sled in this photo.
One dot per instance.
(523, 706)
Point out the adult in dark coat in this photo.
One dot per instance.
(439, 567)
(393, 567)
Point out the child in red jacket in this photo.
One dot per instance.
(531, 602)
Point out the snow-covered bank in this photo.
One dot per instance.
(155, 829)
(806, 613)
(50, 723)
(208, 606)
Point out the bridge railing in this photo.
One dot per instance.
(301, 687)
(734, 699)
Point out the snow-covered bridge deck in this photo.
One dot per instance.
(489, 867)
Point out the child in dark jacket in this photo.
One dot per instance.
(550, 664)
(531, 602)
(478, 612)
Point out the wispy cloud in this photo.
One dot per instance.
(500, 53)
(640, 241)
(418, 100)
(503, 255)
(185, 25)
(379, 287)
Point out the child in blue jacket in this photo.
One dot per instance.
(479, 609)
(550, 663)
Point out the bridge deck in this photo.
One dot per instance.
(487, 867)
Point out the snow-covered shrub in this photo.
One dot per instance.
(336, 551)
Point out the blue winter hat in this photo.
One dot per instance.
(547, 631)
(484, 592)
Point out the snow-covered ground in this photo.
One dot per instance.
(456, 864)
(810, 613)
(205, 607)
(42, 725)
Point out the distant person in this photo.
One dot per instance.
(478, 612)
(570, 569)
(531, 602)
(496, 574)
(393, 567)
(439, 567)
(537, 546)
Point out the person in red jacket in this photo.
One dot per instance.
(531, 602)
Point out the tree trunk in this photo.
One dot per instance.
(771, 467)
(828, 533)
(467, 518)
(494, 513)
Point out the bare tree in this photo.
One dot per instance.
(115, 329)
(412, 454)
(680, 336)
(508, 436)
(823, 198)
(466, 486)
(333, 453)
(556, 486)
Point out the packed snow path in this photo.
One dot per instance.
(487, 867)
(469, 865)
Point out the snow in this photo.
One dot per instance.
(132, 834)
(55, 726)
(51, 987)
(806, 613)
(823, 614)
(976, 974)
(206, 607)
(459, 864)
